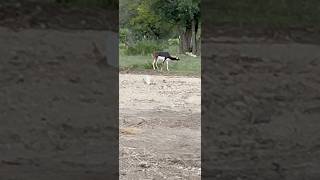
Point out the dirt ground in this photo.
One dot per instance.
(159, 127)
(260, 109)
(25, 14)
(58, 107)
(260, 112)
(58, 104)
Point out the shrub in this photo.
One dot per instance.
(123, 35)
(145, 47)
(122, 46)
(173, 42)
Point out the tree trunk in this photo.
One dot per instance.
(198, 37)
(181, 39)
(185, 40)
(194, 38)
(188, 35)
(199, 47)
(180, 42)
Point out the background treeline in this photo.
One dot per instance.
(147, 25)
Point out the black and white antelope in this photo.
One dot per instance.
(164, 57)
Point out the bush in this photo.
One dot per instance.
(123, 35)
(145, 47)
(173, 42)
(122, 46)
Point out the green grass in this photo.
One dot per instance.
(187, 66)
(145, 47)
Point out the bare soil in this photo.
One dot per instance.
(160, 132)
(23, 14)
(56, 113)
(260, 109)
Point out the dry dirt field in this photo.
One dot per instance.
(160, 129)
(260, 109)
(58, 118)
(57, 110)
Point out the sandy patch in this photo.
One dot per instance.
(168, 112)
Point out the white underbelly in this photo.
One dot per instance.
(162, 59)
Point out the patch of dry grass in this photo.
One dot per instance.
(129, 131)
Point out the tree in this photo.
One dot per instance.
(185, 14)
(128, 9)
(161, 19)
(138, 16)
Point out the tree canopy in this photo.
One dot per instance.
(178, 11)
(160, 19)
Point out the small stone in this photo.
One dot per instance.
(144, 165)
(147, 80)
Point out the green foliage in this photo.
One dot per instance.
(155, 20)
(178, 11)
(127, 10)
(173, 42)
(145, 47)
(123, 35)
(185, 14)
(141, 19)
(122, 46)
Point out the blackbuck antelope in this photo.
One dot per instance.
(164, 57)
